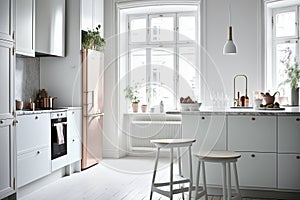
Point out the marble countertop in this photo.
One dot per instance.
(40, 111)
(244, 111)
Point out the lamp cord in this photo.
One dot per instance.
(229, 11)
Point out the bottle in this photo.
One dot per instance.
(161, 106)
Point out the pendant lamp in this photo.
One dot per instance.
(229, 47)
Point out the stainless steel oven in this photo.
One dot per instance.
(58, 134)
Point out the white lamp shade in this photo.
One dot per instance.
(229, 48)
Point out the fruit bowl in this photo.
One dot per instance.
(190, 106)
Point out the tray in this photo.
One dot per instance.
(271, 108)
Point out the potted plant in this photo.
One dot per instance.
(132, 94)
(91, 39)
(292, 71)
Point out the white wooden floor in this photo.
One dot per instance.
(113, 179)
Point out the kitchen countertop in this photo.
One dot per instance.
(243, 111)
(39, 111)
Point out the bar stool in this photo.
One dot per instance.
(226, 158)
(171, 144)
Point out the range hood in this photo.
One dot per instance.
(50, 28)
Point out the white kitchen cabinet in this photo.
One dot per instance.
(210, 134)
(288, 171)
(252, 133)
(6, 79)
(50, 27)
(33, 165)
(288, 134)
(92, 14)
(33, 131)
(25, 27)
(74, 132)
(33, 147)
(257, 170)
(7, 156)
(7, 19)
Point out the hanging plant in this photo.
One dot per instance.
(92, 39)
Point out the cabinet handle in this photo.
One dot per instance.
(36, 117)
(297, 119)
(1, 122)
(73, 140)
(73, 113)
(38, 152)
(203, 118)
(253, 155)
(253, 118)
(297, 157)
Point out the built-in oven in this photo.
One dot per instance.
(58, 134)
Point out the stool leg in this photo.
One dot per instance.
(154, 172)
(191, 172)
(229, 180)
(171, 174)
(204, 180)
(197, 180)
(179, 161)
(237, 188)
(224, 181)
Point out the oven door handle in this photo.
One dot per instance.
(64, 123)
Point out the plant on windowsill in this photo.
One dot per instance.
(131, 93)
(91, 39)
(292, 71)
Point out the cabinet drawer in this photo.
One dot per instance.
(288, 171)
(288, 134)
(33, 165)
(257, 169)
(33, 131)
(252, 133)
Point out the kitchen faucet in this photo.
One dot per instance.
(236, 101)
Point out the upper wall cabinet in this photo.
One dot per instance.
(91, 14)
(50, 27)
(6, 20)
(25, 27)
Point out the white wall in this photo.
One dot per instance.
(218, 70)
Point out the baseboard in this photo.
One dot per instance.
(111, 153)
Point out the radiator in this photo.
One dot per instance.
(143, 131)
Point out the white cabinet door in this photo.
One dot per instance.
(33, 165)
(33, 131)
(92, 14)
(25, 27)
(257, 169)
(210, 134)
(74, 130)
(50, 27)
(7, 158)
(6, 83)
(252, 133)
(288, 171)
(6, 19)
(288, 134)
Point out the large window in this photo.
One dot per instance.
(285, 48)
(163, 57)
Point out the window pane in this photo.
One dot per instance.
(285, 53)
(188, 74)
(138, 71)
(138, 30)
(162, 29)
(187, 27)
(285, 24)
(162, 74)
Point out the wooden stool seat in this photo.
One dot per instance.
(170, 144)
(226, 158)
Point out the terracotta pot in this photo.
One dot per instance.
(135, 107)
(144, 108)
(269, 99)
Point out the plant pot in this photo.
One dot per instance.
(135, 107)
(144, 108)
(295, 97)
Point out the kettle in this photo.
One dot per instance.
(269, 99)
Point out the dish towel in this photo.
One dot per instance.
(60, 133)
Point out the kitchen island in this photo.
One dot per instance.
(268, 141)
